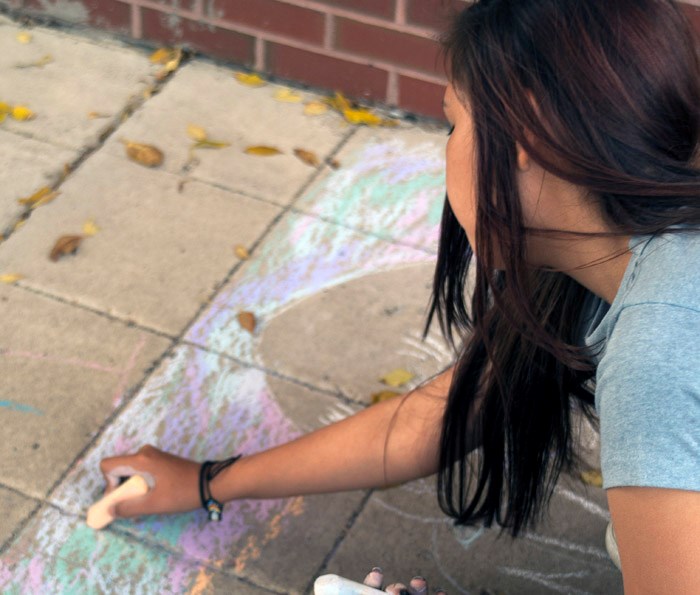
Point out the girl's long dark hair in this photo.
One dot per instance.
(617, 91)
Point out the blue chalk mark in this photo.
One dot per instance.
(19, 407)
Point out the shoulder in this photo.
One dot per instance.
(648, 398)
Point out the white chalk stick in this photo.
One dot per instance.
(101, 514)
(332, 584)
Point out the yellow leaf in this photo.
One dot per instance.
(36, 197)
(196, 132)
(65, 245)
(307, 157)
(397, 378)
(593, 478)
(24, 37)
(90, 228)
(210, 144)
(362, 116)
(315, 108)
(3, 117)
(242, 252)
(19, 224)
(384, 395)
(147, 155)
(339, 102)
(5, 108)
(247, 321)
(262, 151)
(161, 56)
(250, 80)
(47, 59)
(287, 95)
(11, 278)
(20, 112)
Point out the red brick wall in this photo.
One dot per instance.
(383, 50)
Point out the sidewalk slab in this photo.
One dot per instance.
(391, 182)
(298, 284)
(159, 253)
(566, 554)
(64, 371)
(209, 96)
(13, 510)
(26, 166)
(203, 406)
(84, 76)
(69, 557)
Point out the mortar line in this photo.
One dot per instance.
(339, 540)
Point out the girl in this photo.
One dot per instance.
(573, 181)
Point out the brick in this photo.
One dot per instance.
(104, 14)
(214, 41)
(421, 97)
(392, 46)
(272, 16)
(357, 80)
(377, 8)
(434, 14)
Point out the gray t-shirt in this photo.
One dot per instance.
(647, 346)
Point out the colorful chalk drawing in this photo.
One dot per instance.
(377, 214)
(201, 404)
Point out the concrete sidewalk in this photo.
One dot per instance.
(136, 338)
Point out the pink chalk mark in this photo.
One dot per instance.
(71, 362)
(124, 375)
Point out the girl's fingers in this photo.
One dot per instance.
(375, 578)
(418, 586)
(398, 589)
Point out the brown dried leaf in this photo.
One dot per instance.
(242, 252)
(307, 157)
(65, 245)
(262, 151)
(96, 115)
(334, 163)
(36, 197)
(384, 395)
(247, 321)
(147, 155)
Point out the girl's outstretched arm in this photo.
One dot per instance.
(388, 443)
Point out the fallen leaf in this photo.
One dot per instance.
(397, 378)
(315, 108)
(250, 80)
(90, 228)
(43, 61)
(262, 151)
(287, 95)
(247, 321)
(24, 37)
(210, 144)
(307, 157)
(95, 115)
(5, 108)
(196, 132)
(339, 102)
(3, 117)
(334, 163)
(11, 278)
(362, 116)
(65, 245)
(242, 252)
(384, 395)
(21, 112)
(593, 478)
(161, 56)
(36, 197)
(19, 224)
(66, 169)
(147, 155)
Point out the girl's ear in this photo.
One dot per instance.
(523, 157)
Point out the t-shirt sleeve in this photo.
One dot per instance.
(648, 399)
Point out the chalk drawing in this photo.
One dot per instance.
(200, 405)
(14, 406)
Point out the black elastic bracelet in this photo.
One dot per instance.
(208, 471)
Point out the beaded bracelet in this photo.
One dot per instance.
(208, 471)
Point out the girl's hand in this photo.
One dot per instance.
(417, 586)
(173, 482)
